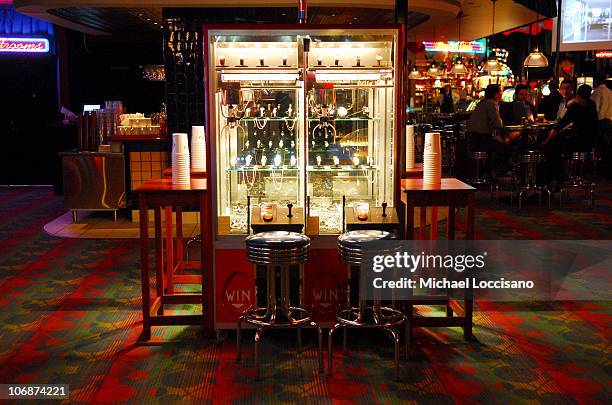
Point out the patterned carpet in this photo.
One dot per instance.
(70, 313)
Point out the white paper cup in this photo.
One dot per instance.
(410, 146)
(432, 142)
(180, 143)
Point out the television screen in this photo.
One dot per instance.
(586, 25)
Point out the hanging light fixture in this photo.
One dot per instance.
(492, 64)
(459, 68)
(536, 58)
(414, 74)
(433, 71)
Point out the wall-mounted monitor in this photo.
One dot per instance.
(586, 25)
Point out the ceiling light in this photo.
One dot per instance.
(535, 59)
(459, 68)
(414, 74)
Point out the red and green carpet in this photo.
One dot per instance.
(70, 313)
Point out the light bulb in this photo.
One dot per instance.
(342, 112)
(264, 160)
(270, 144)
(277, 160)
(318, 160)
(293, 160)
(249, 159)
(355, 160)
(336, 161)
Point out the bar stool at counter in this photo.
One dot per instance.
(277, 250)
(529, 161)
(350, 249)
(582, 174)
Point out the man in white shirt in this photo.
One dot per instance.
(602, 96)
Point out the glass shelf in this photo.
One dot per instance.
(270, 169)
(356, 119)
(273, 119)
(341, 168)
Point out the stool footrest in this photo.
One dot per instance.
(262, 317)
(370, 318)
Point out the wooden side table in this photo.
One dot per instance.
(450, 193)
(415, 173)
(156, 194)
(173, 255)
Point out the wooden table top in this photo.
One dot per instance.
(375, 216)
(200, 174)
(157, 185)
(280, 217)
(448, 184)
(417, 170)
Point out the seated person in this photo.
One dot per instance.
(574, 132)
(549, 106)
(484, 127)
(521, 107)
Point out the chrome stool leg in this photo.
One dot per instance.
(258, 336)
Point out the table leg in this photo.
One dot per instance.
(409, 224)
(433, 234)
(450, 230)
(169, 251)
(179, 235)
(206, 263)
(159, 257)
(470, 217)
(423, 223)
(144, 261)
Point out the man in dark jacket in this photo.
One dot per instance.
(549, 106)
(575, 131)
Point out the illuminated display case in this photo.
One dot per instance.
(301, 115)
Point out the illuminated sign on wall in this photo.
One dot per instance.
(24, 45)
(603, 54)
(454, 46)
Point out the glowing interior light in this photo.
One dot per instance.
(277, 160)
(264, 160)
(336, 161)
(249, 159)
(318, 160)
(293, 160)
(342, 112)
(281, 144)
(355, 160)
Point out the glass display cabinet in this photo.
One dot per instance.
(304, 116)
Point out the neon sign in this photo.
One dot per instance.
(454, 46)
(603, 54)
(24, 45)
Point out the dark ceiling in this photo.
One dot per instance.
(147, 20)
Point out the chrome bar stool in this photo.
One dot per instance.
(277, 251)
(480, 161)
(350, 250)
(580, 176)
(529, 160)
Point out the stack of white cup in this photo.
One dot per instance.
(409, 146)
(198, 149)
(432, 159)
(180, 159)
